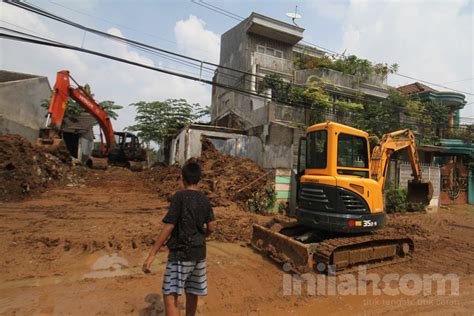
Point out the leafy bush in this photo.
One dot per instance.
(262, 202)
(351, 65)
(396, 200)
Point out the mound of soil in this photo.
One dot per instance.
(25, 168)
(226, 179)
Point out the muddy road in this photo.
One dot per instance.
(77, 250)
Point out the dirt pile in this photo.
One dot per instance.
(25, 169)
(226, 180)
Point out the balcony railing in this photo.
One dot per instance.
(340, 79)
(273, 63)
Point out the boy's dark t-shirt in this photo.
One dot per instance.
(189, 210)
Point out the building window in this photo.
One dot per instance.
(269, 51)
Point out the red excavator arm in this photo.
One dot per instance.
(61, 92)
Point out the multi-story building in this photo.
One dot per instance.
(260, 46)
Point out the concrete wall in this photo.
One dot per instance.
(84, 150)
(278, 147)
(188, 144)
(20, 110)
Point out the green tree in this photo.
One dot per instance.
(158, 121)
(73, 109)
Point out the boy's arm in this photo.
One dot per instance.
(164, 235)
(210, 227)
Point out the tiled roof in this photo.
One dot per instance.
(415, 88)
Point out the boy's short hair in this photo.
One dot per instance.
(191, 172)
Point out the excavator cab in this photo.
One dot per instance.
(127, 151)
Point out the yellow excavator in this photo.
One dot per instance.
(340, 208)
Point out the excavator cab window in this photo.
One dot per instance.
(118, 139)
(352, 153)
(130, 141)
(317, 148)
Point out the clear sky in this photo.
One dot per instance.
(431, 40)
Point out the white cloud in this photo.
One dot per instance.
(109, 80)
(196, 41)
(330, 10)
(430, 40)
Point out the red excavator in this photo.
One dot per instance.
(120, 148)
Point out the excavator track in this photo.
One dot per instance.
(374, 249)
(304, 250)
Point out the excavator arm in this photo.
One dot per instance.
(57, 108)
(389, 144)
(418, 191)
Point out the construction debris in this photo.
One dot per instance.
(24, 168)
(226, 180)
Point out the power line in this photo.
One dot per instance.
(38, 10)
(218, 9)
(433, 84)
(152, 49)
(35, 40)
(462, 80)
(118, 24)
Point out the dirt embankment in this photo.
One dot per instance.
(226, 180)
(25, 169)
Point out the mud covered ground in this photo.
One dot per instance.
(77, 250)
(26, 170)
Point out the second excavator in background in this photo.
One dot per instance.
(340, 208)
(119, 148)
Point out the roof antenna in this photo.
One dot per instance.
(294, 15)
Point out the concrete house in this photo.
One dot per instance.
(455, 157)
(20, 103)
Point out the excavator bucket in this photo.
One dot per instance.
(419, 192)
(49, 145)
(49, 140)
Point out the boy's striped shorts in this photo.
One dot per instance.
(187, 275)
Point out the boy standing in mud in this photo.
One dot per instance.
(189, 221)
